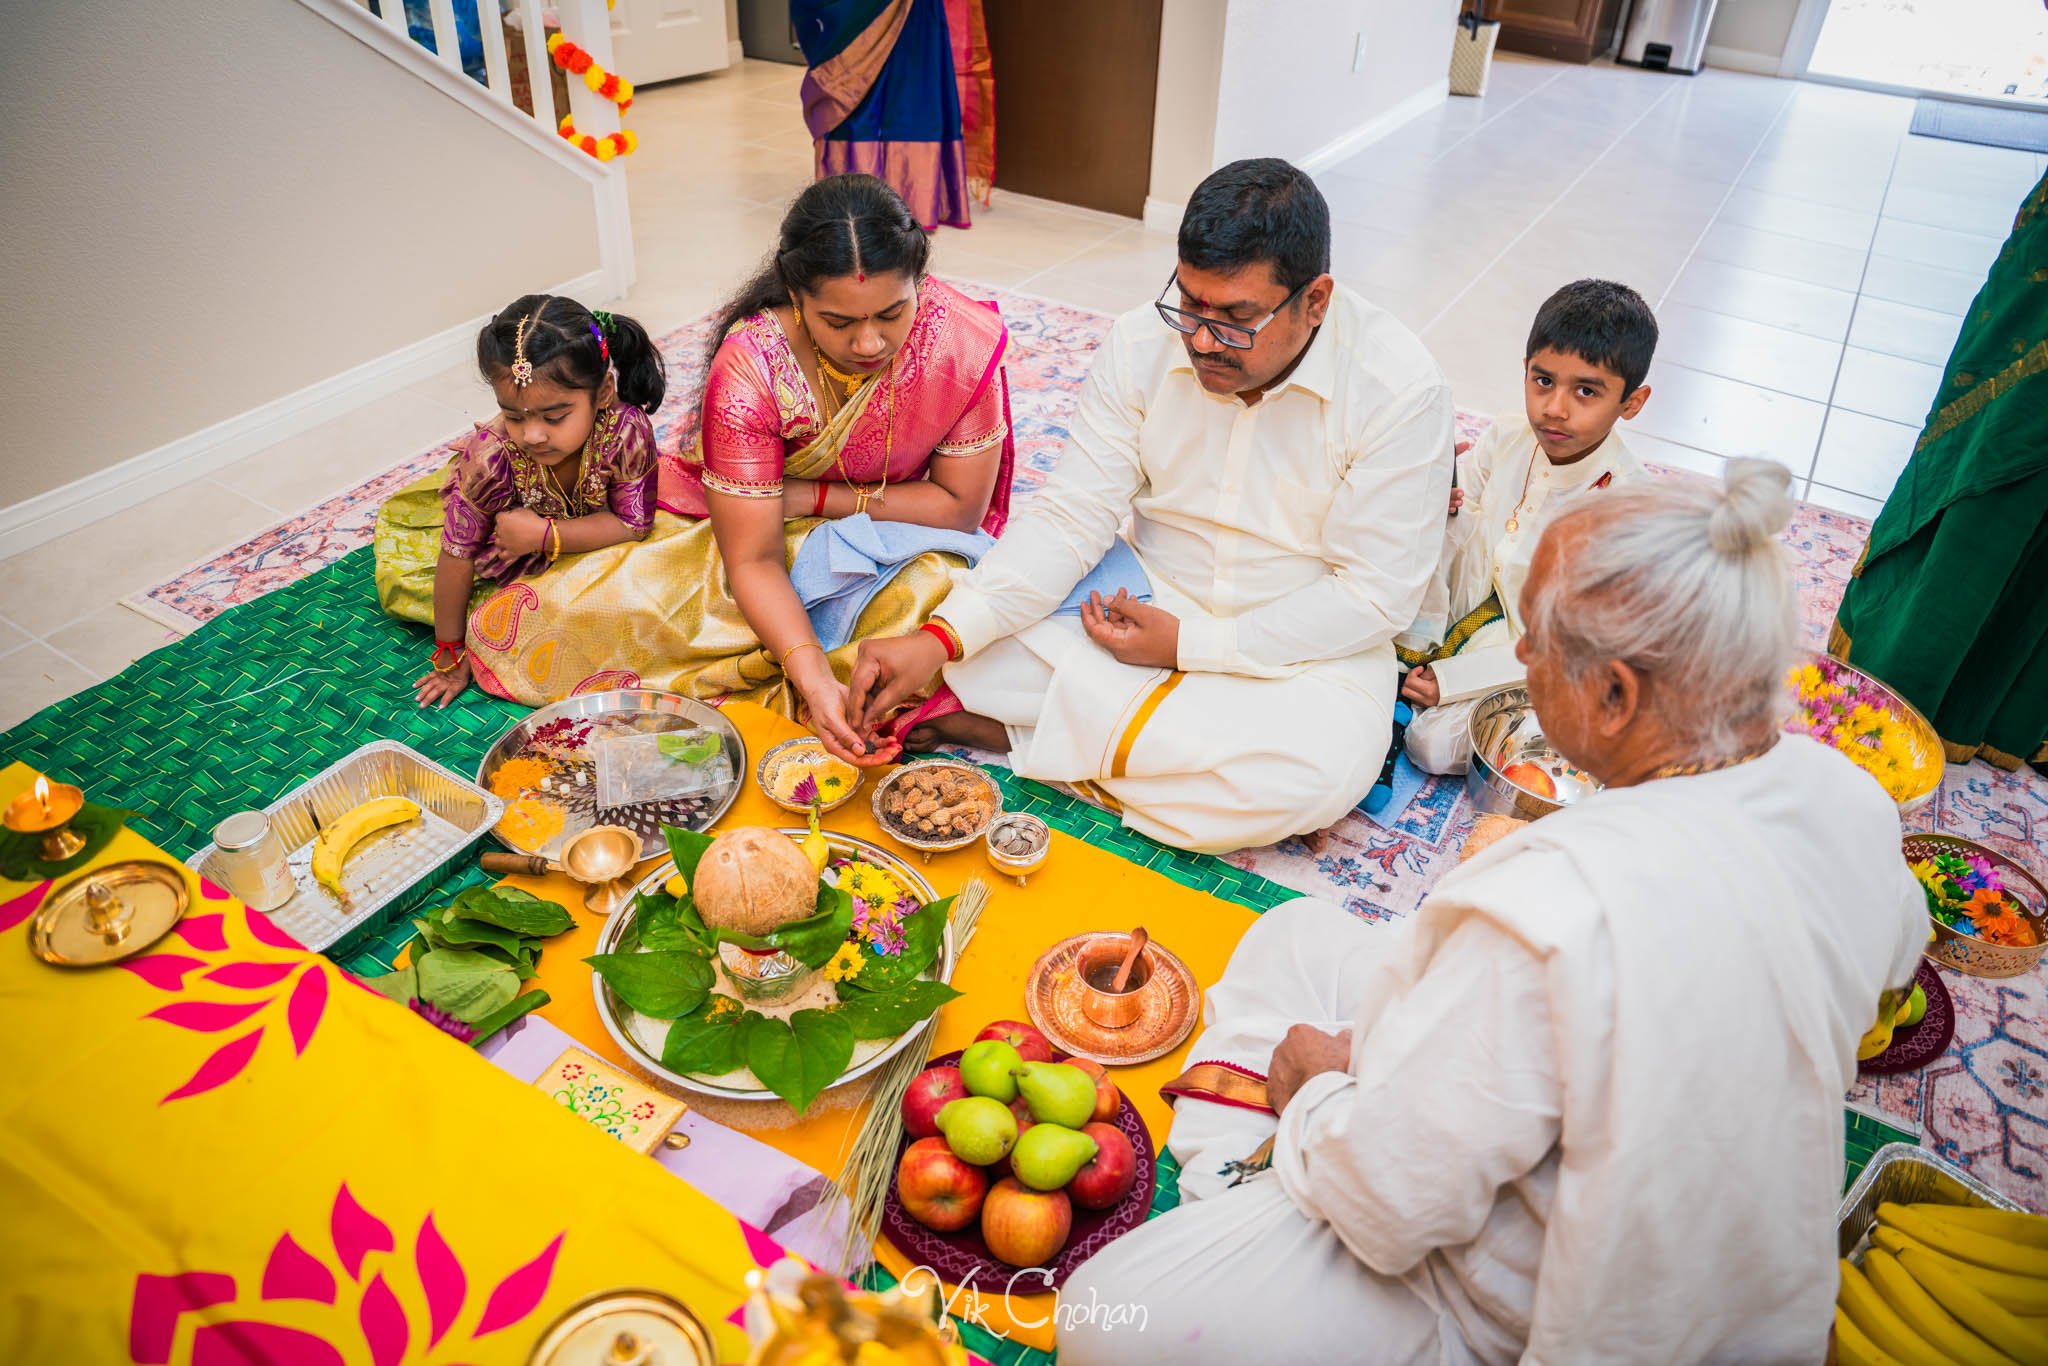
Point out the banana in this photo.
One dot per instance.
(1964, 1244)
(338, 837)
(677, 886)
(1880, 1322)
(1854, 1348)
(1974, 1310)
(1934, 1325)
(2020, 1294)
(814, 846)
(2028, 1230)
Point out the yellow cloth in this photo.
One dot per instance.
(1080, 888)
(347, 1154)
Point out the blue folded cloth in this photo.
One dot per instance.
(844, 563)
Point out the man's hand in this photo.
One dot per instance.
(888, 671)
(1133, 632)
(1304, 1053)
(520, 531)
(1457, 501)
(1420, 686)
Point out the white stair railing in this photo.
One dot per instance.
(586, 23)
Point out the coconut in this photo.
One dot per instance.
(754, 881)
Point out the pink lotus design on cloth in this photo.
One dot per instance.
(369, 1313)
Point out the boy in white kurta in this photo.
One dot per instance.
(1586, 359)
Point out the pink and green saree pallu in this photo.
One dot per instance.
(902, 90)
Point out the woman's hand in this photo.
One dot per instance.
(1304, 1053)
(438, 689)
(799, 499)
(520, 531)
(825, 705)
(1133, 632)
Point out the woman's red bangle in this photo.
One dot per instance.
(819, 510)
(945, 638)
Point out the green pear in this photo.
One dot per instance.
(1046, 1157)
(988, 1069)
(979, 1129)
(1057, 1092)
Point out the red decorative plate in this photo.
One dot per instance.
(963, 1258)
(1914, 1048)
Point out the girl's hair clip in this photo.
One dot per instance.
(604, 349)
(522, 368)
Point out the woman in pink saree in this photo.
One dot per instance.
(846, 387)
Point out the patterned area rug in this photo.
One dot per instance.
(1984, 1105)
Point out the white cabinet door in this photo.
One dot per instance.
(659, 40)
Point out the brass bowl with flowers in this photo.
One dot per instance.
(783, 769)
(1868, 724)
(1989, 915)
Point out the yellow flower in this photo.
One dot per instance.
(1807, 679)
(872, 885)
(845, 965)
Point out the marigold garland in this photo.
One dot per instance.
(578, 62)
(605, 148)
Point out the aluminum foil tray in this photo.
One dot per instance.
(454, 814)
(1904, 1174)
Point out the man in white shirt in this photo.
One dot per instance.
(1283, 452)
(1586, 1104)
(1583, 369)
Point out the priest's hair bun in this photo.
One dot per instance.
(1754, 506)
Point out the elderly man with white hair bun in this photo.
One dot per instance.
(1585, 1105)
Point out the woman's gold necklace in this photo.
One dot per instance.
(829, 374)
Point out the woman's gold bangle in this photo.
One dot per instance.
(783, 662)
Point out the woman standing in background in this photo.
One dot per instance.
(902, 90)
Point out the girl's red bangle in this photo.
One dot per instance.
(819, 510)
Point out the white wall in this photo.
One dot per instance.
(1756, 28)
(210, 206)
(1244, 78)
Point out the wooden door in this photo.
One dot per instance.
(1075, 80)
(659, 40)
(1568, 30)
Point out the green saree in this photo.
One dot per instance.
(1949, 602)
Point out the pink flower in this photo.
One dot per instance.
(442, 1020)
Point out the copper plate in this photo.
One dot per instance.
(591, 1329)
(1172, 998)
(153, 894)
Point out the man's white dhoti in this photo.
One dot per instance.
(1204, 761)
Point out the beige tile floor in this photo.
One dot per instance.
(1809, 262)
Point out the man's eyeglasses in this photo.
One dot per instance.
(1236, 336)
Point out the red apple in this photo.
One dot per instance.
(1025, 1227)
(1110, 1174)
(1031, 1045)
(938, 1189)
(1108, 1100)
(929, 1091)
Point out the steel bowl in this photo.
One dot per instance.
(614, 1012)
(1504, 732)
(1879, 694)
(778, 755)
(926, 844)
(640, 710)
(1966, 953)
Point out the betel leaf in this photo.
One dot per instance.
(667, 922)
(687, 848)
(506, 1014)
(707, 1042)
(445, 929)
(924, 930)
(402, 986)
(813, 940)
(690, 747)
(511, 909)
(799, 1058)
(664, 985)
(884, 1015)
(466, 984)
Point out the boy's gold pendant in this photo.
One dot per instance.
(1514, 525)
